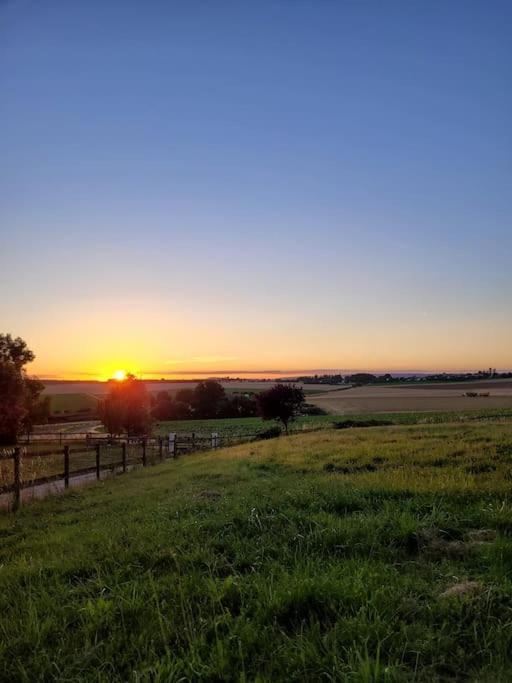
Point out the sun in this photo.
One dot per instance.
(119, 375)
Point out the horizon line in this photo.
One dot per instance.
(235, 374)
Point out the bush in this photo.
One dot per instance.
(347, 424)
(270, 433)
(310, 409)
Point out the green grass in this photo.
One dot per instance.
(434, 417)
(239, 426)
(322, 556)
(233, 430)
(251, 425)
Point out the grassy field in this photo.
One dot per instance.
(231, 430)
(251, 425)
(380, 554)
(239, 426)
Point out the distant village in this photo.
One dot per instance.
(360, 378)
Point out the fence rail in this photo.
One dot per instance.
(23, 468)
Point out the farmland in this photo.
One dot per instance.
(379, 554)
(76, 397)
(73, 404)
(239, 426)
(102, 388)
(421, 397)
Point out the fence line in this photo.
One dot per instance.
(99, 449)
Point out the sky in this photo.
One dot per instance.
(236, 187)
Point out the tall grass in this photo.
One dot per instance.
(322, 556)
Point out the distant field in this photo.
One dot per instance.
(73, 403)
(101, 388)
(396, 398)
(371, 555)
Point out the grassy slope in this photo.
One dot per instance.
(321, 556)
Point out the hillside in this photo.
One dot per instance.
(378, 554)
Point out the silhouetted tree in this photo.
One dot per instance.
(239, 406)
(20, 404)
(361, 378)
(208, 398)
(282, 402)
(38, 408)
(163, 407)
(127, 408)
(12, 403)
(111, 413)
(206, 401)
(184, 404)
(15, 351)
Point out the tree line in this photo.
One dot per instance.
(129, 407)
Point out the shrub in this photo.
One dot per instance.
(270, 433)
(347, 424)
(310, 409)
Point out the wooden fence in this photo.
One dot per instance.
(22, 467)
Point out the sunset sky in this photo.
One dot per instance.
(229, 187)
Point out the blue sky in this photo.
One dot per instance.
(263, 185)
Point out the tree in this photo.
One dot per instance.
(163, 407)
(239, 405)
(111, 413)
(14, 351)
(208, 398)
(38, 408)
(12, 403)
(20, 403)
(127, 408)
(282, 402)
(361, 378)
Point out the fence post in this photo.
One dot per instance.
(160, 448)
(193, 441)
(98, 447)
(66, 467)
(144, 461)
(215, 440)
(173, 451)
(17, 479)
(123, 455)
